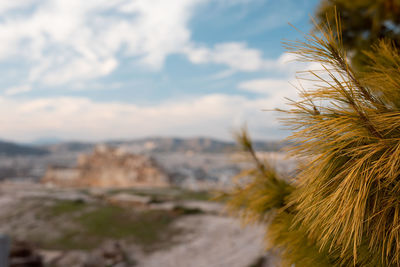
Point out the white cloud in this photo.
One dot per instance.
(77, 40)
(73, 41)
(222, 74)
(264, 86)
(298, 77)
(18, 90)
(274, 89)
(238, 57)
(235, 55)
(10, 5)
(80, 118)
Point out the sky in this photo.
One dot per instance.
(124, 69)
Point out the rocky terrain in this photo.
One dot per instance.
(108, 167)
(141, 227)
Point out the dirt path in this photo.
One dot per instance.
(213, 241)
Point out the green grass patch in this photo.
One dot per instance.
(195, 195)
(95, 223)
(187, 211)
(159, 195)
(65, 207)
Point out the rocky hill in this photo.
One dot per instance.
(109, 167)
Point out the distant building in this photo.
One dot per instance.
(109, 167)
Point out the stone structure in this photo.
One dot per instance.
(109, 167)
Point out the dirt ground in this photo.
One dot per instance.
(206, 237)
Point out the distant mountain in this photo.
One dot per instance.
(42, 141)
(70, 147)
(12, 149)
(165, 144)
(269, 145)
(199, 145)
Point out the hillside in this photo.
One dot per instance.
(165, 145)
(13, 149)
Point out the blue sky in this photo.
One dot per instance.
(110, 69)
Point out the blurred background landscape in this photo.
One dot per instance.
(135, 203)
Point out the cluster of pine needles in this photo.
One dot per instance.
(342, 208)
